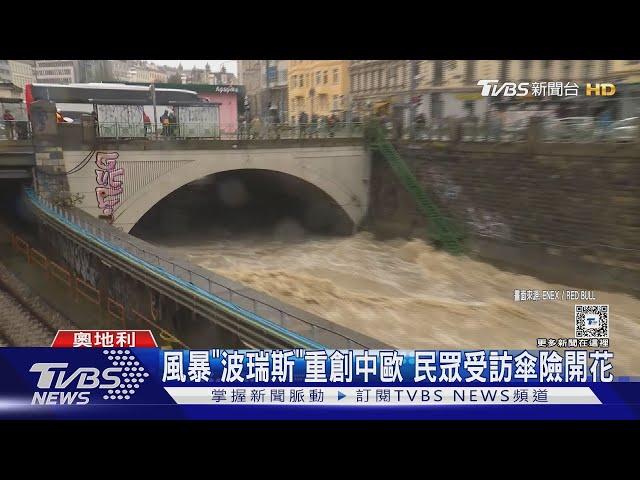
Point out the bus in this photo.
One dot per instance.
(119, 107)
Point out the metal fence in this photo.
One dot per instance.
(253, 131)
(563, 130)
(139, 130)
(15, 130)
(276, 131)
(265, 312)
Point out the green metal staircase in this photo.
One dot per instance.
(443, 231)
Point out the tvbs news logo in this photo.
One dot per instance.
(493, 88)
(59, 385)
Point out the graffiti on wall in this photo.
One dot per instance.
(488, 224)
(109, 179)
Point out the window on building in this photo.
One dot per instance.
(325, 77)
(294, 81)
(504, 70)
(336, 76)
(318, 77)
(526, 69)
(586, 69)
(436, 105)
(391, 75)
(437, 73)
(470, 72)
(336, 102)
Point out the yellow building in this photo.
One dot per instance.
(318, 87)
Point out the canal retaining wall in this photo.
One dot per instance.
(570, 213)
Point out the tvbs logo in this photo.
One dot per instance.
(490, 88)
(600, 89)
(55, 379)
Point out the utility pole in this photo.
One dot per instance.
(412, 111)
(152, 90)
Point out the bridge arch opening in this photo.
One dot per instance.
(244, 201)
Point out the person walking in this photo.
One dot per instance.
(9, 124)
(173, 124)
(256, 128)
(302, 123)
(332, 123)
(164, 120)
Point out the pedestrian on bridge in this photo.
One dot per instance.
(332, 123)
(256, 128)
(302, 123)
(164, 120)
(173, 124)
(9, 124)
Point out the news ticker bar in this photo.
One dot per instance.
(392, 397)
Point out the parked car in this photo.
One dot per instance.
(570, 128)
(626, 130)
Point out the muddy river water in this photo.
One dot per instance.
(404, 292)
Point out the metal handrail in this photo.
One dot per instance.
(117, 238)
(242, 131)
(19, 129)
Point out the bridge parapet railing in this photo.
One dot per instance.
(576, 130)
(319, 335)
(15, 130)
(242, 131)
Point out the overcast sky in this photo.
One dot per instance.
(230, 65)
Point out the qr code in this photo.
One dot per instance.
(592, 321)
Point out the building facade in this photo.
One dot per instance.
(448, 88)
(59, 71)
(5, 71)
(267, 86)
(145, 72)
(119, 70)
(106, 70)
(250, 73)
(379, 86)
(22, 72)
(318, 88)
(204, 76)
(10, 91)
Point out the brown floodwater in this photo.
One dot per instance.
(406, 293)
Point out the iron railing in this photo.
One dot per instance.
(252, 131)
(15, 130)
(566, 130)
(266, 312)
